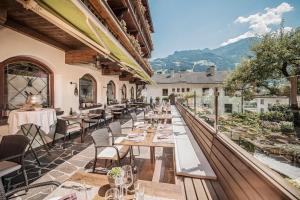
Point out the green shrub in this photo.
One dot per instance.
(287, 127)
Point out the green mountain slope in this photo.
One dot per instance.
(225, 57)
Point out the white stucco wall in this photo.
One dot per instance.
(15, 44)
(263, 103)
(156, 91)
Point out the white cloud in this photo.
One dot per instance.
(259, 23)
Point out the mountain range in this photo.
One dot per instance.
(224, 57)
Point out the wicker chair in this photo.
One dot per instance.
(97, 120)
(116, 132)
(5, 196)
(106, 150)
(135, 120)
(64, 128)
(12, 151)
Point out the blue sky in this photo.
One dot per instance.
(198, 24)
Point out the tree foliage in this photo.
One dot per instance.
(276, 56)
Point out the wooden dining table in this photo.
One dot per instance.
(150, 139)
(98, 182)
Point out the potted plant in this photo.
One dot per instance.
(115, 172)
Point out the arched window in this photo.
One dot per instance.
(111, 92)
(87, 90)
(124, 92)
(132, 93)
(21, 76)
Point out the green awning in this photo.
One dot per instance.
(76, 15)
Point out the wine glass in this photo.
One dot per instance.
(112, 194)
(119, 182)
(139, 191)
(128, 177)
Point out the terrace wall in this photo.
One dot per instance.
(240, 174)
(15, 44)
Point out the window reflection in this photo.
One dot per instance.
(87, 91)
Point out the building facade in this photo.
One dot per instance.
(75, 54)
(262, 103)
(202, 84)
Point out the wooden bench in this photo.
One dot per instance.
(240, 175)
(202, 189)
(190, 161)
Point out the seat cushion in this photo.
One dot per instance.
(138, 123)
(111, 153)
(7, 167)
(73, 128)
(108, 116)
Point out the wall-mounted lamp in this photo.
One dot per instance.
(97, 62)
(76, 88)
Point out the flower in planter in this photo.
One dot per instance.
(115, 172)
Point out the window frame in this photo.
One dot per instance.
(163, 92)
(225, 108)
(94, 88)
(15, 59)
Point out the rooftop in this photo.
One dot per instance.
(191, 77)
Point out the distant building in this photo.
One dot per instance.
(203, 83)
(263, 103)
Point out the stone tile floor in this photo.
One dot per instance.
(59, 164)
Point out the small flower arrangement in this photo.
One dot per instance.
(115, 172)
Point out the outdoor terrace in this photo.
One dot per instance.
(175, 156)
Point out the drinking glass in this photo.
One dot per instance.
(139, 191)
(128, 177)
(112, 194)
(119, 182)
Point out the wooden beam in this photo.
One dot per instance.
(82, 56)
(119, 12)
(111, 70)
(34, 34)
(133, 80)
(125, 76)
(3, 16)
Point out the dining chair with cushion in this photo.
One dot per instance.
(12, 151)
(15, 192)
(95, 120)
(64, 128)
(116, 132)
(108, 116)
(135, 120)
(106, 150)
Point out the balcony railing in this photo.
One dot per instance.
(240, 174)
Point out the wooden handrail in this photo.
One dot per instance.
(240, 174)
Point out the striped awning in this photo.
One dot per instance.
(75, 18)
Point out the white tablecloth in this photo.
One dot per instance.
(43, 118)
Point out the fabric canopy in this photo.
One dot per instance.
(75, 13)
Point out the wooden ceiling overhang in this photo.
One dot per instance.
(36, 19)
(105, 12)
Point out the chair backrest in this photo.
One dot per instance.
(13, 145)
(115, 128)
(61, 126)
(101, 137)
(133, 116)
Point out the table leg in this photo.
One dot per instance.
(2, 191)
(152, 154)
(44, 143)
(132, 161)
(30, 143)
(82, 131)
